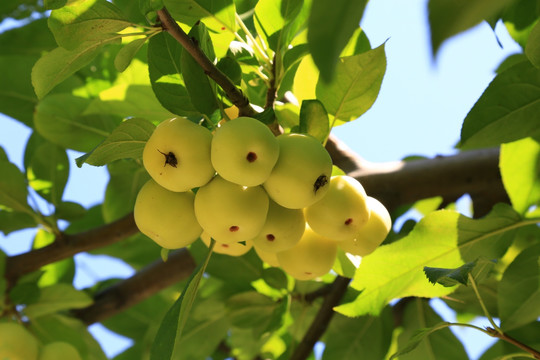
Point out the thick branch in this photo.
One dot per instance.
(233, 93)
(150, 280)
(69, 245)
(322, 319)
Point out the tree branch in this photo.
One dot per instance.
(150, 280)
(69, 245)
(322, 319)
(233, 93)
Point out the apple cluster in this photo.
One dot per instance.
(246, 188)
(16, 342)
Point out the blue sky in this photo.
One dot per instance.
(420, 108)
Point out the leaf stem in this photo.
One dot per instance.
(250, 36)
(484, 308)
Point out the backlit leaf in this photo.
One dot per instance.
(520, 170)
(441, 239)
(314, 120)
(275, 20)
(532, 49)
(13, 190)
(89, 20)
(218, 15)
(127, 53)
(355, 85)
(56, 298)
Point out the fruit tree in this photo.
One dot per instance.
(254, 231)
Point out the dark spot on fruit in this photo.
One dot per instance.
(169, 158)
(223, 28)
(270, 237)
(320, 182)
(348, 221)
(251, 156)
(307, 273)
(234, 228)
(224, 245)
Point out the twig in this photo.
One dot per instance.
(148, 281)
(322, 319)
(233, 93)
(68, 245)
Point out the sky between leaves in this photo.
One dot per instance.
(419, 111)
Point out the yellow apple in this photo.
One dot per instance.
(244, 151)
(17, 343)
(177, 155)
(165, 216)
(302, 172)
(373, 233)
(59, 350)
(341, 213)
(229, 212)
(235, 249)
(282, 230)
(311, 257)
(267, 257)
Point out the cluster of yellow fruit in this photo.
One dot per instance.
(244, 187)
(16, 342)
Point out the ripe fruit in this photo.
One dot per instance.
(341, 213)
(59, 350)
(313, 256)
(373, 233)
(17, 343)
(244, 151)
(267, 257)
(282, 230)
(302, 172)
(177, 155)
(165, 216)
(235, 249)
(229, 212)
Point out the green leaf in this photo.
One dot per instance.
(164, 54)
(330, 27)
(250, 309)
(149, 6)
(355, 85)
(520, 170)
(519, 290)
(82, 21)
(57, 65)
(396, 270)
(426, 336)
(56, 327)
(314, 120)
(199, 86)
(532, 49)
(450, 17)
(13, 190)
(59, 118)
(59, 271)
(172, 325)
(218, 15)
(17, 97)
(56, 298)
(30, 40)
(127, 53)
(48, 172)
(131, 96)
(13, 220)
(275, 21)
(507, 110)
(451, 277)
(69, 210)
(275, 277)
(126, 179)
(125, 142)
(367, 337)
